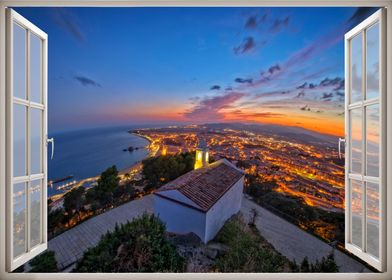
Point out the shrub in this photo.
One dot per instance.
(45, 262)
(327, 264)
(137, 246)
(246, 250)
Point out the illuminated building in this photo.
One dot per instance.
(201, 155)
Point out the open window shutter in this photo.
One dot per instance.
(26, 140)
(365, 121)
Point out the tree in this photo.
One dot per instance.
(294, 266)
(127, 190)
(45, 262)
(327, 264)
(305, 265)
(137, 246)
(56, 219)
(74, 201)
(162, 169)
(102, 194)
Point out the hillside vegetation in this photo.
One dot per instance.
(137, 246)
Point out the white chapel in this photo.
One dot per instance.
(201, 200)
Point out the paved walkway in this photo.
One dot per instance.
(293, 242)
(287, 238)
(70, 245)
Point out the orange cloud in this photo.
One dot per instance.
(324, 124)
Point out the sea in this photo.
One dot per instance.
(86, 153)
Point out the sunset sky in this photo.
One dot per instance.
(117, 66)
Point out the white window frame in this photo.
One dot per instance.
(377, 17)
(202, 3)
(12, 262)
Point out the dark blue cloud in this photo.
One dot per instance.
(84, 81)
(279, 24)
(243, 81)
(247, 45)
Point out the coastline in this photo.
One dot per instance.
(141, 136)
(136, 166)
(130, 168)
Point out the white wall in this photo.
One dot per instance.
(227, 206)
(179, 218)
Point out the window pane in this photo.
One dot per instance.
(356, 140)
(356, 212)
(356, 68)
(35, 215)
(35, 69)
(373, 207)
(19, 61)
(35, 141)
(372, 61)
(19, 140)
(372, 140)
(19, 213)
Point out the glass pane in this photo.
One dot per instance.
(19, 136)
(356, 68)
(35, 141)
(372, 140)
(35, 215)
(35, 69)
(373, 207)
(19, 61)
(19, 213)
(372, 61)
(356, 140)
(356, 212)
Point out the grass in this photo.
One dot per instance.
(248, 250)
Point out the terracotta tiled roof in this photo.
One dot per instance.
(205, 186)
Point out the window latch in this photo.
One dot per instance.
(51, 141)
(339, 142)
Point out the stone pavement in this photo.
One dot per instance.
(288, 239)
(70, 245)
(293, 242)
